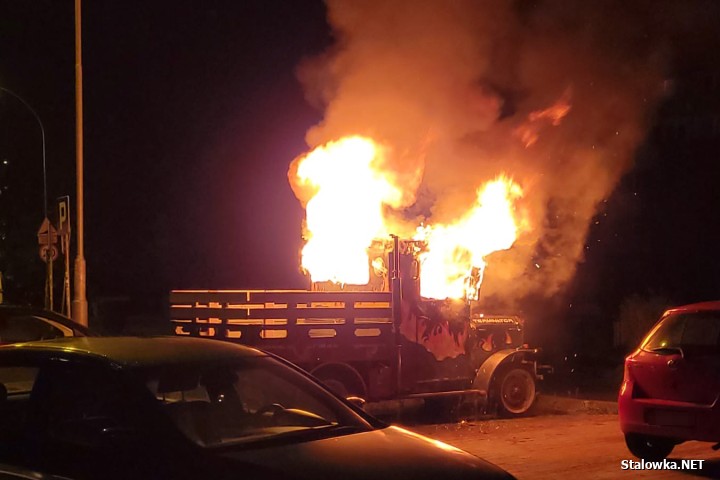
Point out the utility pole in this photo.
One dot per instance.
(80, 304)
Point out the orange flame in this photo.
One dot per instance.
(454, 258)
(349, 188)
(345, 213)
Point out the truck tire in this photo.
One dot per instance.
(342, 379)
(514, 391)
(336, 385)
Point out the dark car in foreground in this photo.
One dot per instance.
(170, 407)
(26, 324)
(671, 388)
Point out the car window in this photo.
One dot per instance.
(667, 334)
(27, 328)
(685, 330)
(18, 380)
(255, 399)
(702, 329)
(80, 404)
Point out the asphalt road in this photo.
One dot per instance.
(574, 446)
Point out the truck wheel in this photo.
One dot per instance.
(649, 448)
(336, 386)
(515, 391)
(342, 379)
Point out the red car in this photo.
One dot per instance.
(671, 389)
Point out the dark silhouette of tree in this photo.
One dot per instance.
(638, 313)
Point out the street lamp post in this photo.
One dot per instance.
(79, 304)
(48, 259)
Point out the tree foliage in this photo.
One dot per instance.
(638, 313)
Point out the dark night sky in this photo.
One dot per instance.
(192, 115)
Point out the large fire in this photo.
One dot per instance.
(349, 191)
(454, 258)
(345, 212)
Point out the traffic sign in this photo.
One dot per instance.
(63, 204)
(47, 238)
(50, 252)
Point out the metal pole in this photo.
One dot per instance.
(48, 259)
(66, 278)
(80, 304)
(396, 292)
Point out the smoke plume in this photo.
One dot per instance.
(556, 94)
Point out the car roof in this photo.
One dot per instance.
(133, 352)
(695, 307)
(6, 310)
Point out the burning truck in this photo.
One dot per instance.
(380, 342)
(384, 317)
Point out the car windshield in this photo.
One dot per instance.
(252, 399)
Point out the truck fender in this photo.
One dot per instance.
(487, 370)
(340, 376)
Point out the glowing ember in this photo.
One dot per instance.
(345, 213)
(347, 188)
(455, 253)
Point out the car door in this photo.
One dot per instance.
(698, 369)
(85, 421)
